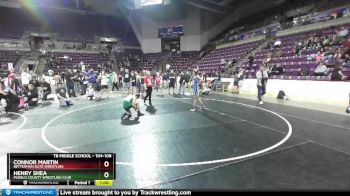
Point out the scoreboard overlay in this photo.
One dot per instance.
(60, 168)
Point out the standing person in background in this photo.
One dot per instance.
(261, 77)
(127, 84)
(56, 78)
(182, 84)
(85, 82)
(188, 80)
(110, 79)
(25, 78)
(138, 83)
(133, 82)
(76, 80)
(142, 84)
(120, 79)
(69, 83)
(104, 83)
(205, 76)
(148, 84)
(217, 80)
(115, 81)
(172, 81)
(154, 79)
(63, 77)
(197, 91)
(239, 79)
(11, 82)
(166, 79)
(158, 82)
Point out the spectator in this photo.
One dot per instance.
(63, 77)
(346, 12)
(346, 60)
(127, 84)
(31, 96)
(343, 33)
(337, 56)
(172, 81)
(182, 84)
(76, 81)
(278, 53)
(90, 92)
(133, 82)
(12, 100)
(34, 81)
(11, 82)
(63, 96)
(57, 78)
(268, 57)
(50, 72)
(46, 88)
(104, 83)
(70, 83)
(238, 79)
(261, 76)
(187, 77)
(336, 74)
(277, 70)
(91, 77)
(277, 43)
(327, 41)
(110, 79)
(304, 71)
(25, 78)
(217, 80)
(223, 62)
(319, 56)
(251, 60)
(311, 57)
(346, 44)
(321, 70)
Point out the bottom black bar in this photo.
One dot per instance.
(112, 192)
(54, 182)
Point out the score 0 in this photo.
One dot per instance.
(106, 165)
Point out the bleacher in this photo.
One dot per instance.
(89, 59)
(177, 61)
(292, 62)
(212, 61)
(8, 57)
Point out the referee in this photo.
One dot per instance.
(149, 85)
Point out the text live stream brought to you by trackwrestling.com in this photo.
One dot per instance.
(97, 192)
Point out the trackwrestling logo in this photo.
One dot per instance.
(29, 192)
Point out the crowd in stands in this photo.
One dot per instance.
(277, 23)
(306, 55)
